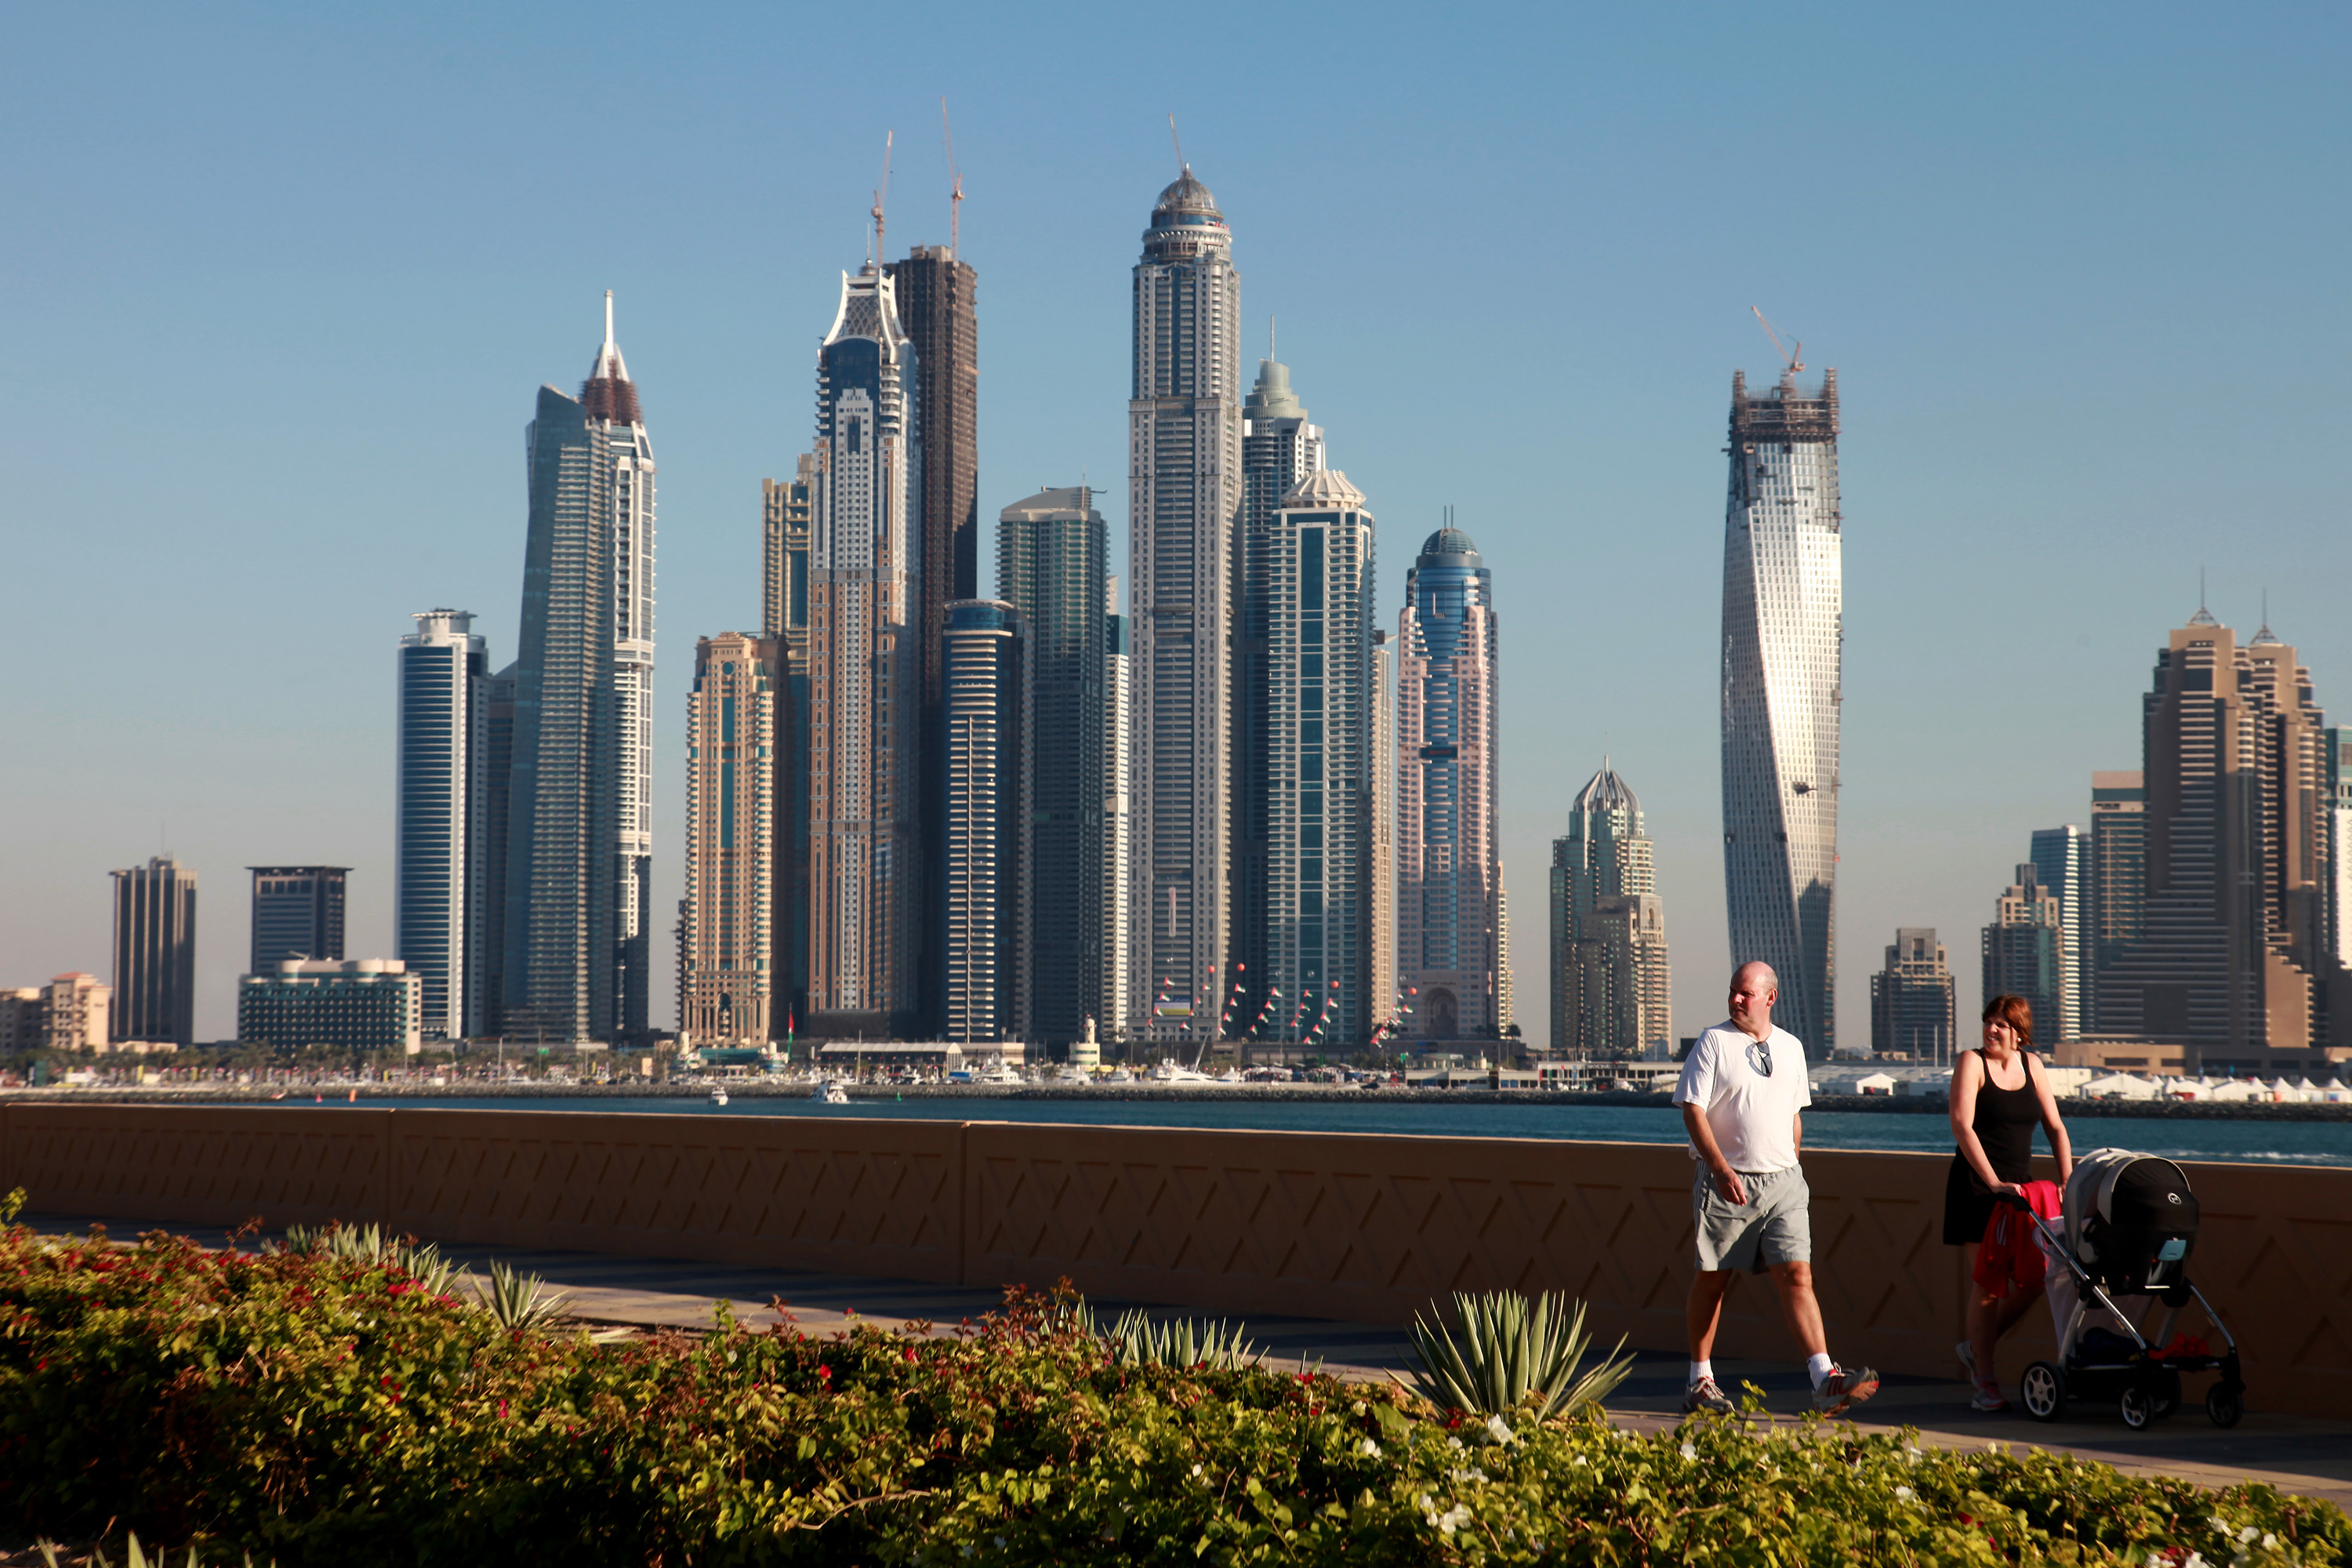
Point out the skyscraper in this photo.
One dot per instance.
(1050, 567)
(1279, 448)
(935, 291)
(297, 912)
(1380, 835)
(443, 670)
(1184, 495)
(1783, 639)
(579, 826)
(1911, 999)
(785, 511)
(730, 874)
(866, 873)
(2230, 961)
(986, 941)
(1118, 821)
(155, 953)
(2336, 783)
(486, 880)
(1449, 870)
(2117, 893)
(2062, 862)
(2024, 952)
(1306, 777)
(1611, 986)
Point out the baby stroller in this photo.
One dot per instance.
(2130, 1224)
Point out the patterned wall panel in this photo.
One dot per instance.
(211, 1166)
(1309, 1224)
(866, 1196)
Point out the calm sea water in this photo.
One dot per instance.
(2280, 1142)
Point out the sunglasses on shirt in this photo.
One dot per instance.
(1759, 1057)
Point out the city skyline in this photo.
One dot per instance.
(2081, 504)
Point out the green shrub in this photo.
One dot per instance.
(324, 1409)
(1516, 1351)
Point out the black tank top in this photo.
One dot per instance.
(2004, 1124)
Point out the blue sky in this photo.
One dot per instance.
(279, 282)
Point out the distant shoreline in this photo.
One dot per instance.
(1833, 1104)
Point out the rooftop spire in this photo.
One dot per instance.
(607, 392)
(2203, 617)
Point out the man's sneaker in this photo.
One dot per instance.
(1842, 1388)
(1704, 1396)
(1967, 1354)
(1988, 1397)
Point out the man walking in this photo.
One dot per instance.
(1743, 1094)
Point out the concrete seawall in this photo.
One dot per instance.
(1369, 1229)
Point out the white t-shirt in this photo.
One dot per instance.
(1753, 1116)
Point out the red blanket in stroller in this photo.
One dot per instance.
(2011, 1258)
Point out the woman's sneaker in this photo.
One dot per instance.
(1704, 1396)
(1967, 1354)
(1842, 1388)
(1988, 1396)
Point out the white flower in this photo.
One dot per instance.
(1453, 1519)
(1905, 1493)
(1500, 1430)
(1371, 1450)
(1454, 1444)
(1690, 1450)
(1196, 1470)
(2247, 1533)
(1582, 1460)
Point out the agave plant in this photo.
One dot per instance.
(1138, 1341)
(134, 1558)
(519, 1300)
(1515, 1351)
(369, 1243)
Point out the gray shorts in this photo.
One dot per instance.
(1774, 1225)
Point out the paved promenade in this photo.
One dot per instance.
(2295, 1454)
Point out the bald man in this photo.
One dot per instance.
(1743, 1095)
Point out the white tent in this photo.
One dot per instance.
(2182, 1089)
(1875, 1083)
(2118, 1086)
(2239, 1088)
(2334, 1090)
(2303, 1089)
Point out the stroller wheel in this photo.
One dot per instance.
(2225, 1403)
(2138, 1407)
(2043, 1389)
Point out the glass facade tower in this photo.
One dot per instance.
(1449, 869)
(155, 953)
(867, 874)
(1783, 649)
(1184, 497)
(444, 673)
(2062, 862)
(986, 942)
(1050, 567)
(1306, 782)
(579, 836)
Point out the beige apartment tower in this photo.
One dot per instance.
(728, 986)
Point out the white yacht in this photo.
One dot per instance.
(830, 1093)
(996, 1072)
(718, 1097)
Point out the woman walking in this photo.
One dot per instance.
(1998, 1092)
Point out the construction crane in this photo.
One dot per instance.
(881, 194)
(1795, 360)
(955, 186)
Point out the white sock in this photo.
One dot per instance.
(1818, 1367)
(1702, 1369)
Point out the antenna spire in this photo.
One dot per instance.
(1181, 166)
(608, 318)
(1269, 338)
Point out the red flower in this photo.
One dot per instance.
(826, 1372)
